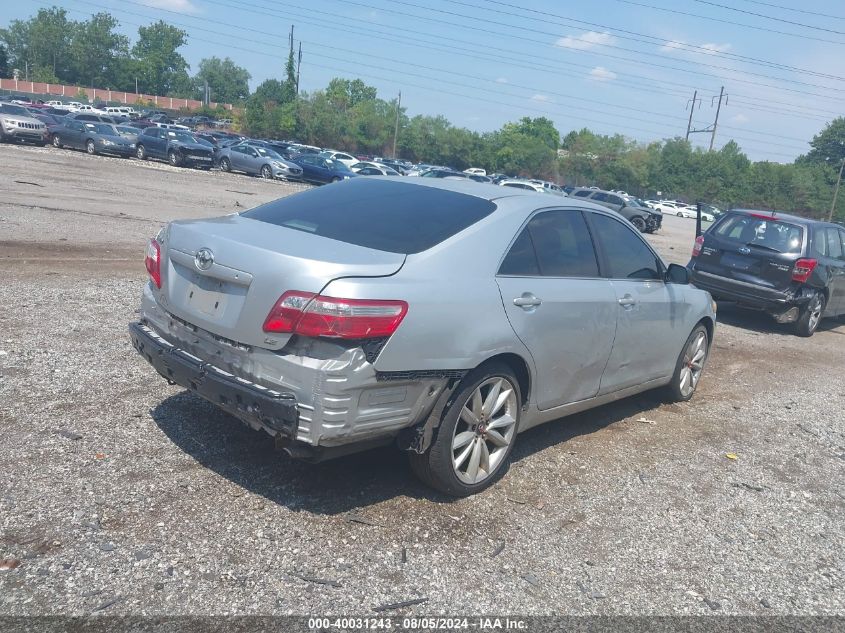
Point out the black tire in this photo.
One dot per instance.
(90, 147)
(267, 172)
(57, 141)
(225, 165)
(811, 316)
(173, 158)
(141, 153)
(674, 390)
(639, 223)
(337, 179)
(435, 466)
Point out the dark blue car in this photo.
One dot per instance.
(320, 171)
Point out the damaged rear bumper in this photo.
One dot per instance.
(248, 401)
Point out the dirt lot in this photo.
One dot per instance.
(122, 495)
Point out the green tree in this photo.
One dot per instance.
(41, 43)
(98, 53)
(829, 144)
(227, 82)
(161, 68)
(4, 63)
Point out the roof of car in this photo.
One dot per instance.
(777, 215)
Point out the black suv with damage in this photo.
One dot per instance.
(790, 267)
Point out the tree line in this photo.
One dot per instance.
(349, 115)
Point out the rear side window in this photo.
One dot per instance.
(768, 233)
(384, 215)
(627, 255)
(553, 244)
(581, 194)
(834, 245)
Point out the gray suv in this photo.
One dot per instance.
(645, 219)
(442, 316)
(17, 124)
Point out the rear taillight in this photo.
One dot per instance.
(803, 269)
(315, 315)
(696, 248)
(152, 260)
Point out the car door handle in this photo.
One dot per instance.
(527, 301)
(627, 301)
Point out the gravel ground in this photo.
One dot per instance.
(121, 495)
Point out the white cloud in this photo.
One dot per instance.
(600, 73)
(539, 97)
(585, 41)
(180, 6)
(672, 45)
(711, 48)
(501, 80)
(740, 118)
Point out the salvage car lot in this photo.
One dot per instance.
(122, 495)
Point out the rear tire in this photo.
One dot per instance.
(690, 366)
(811, 315)
(140, 153)
(478, 428)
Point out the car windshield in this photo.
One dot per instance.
(768, 233)
(184, 137)
(102, 128)
(269, 153)
(9, 108)
(384, 215)
(127, 131)
(336, 165)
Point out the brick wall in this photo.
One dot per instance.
(50, 91)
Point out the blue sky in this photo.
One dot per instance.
(613, 66)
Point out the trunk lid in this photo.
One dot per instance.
(225, 274)
(753, 249)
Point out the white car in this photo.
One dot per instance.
(523, 184)
(342, 157)
(366, 168)
(476, 171)
(55, 104)
(89, 109)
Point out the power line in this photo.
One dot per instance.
(476, 18)
(805, 11)
(533, 65)
(769, 17)
(732, 23)
(656, 40)
(535, 89)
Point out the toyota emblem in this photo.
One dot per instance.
(204, 259)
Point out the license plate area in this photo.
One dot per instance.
(208, 296)
(737, 262)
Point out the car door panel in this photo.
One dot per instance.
(561, 310)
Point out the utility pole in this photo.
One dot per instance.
(836, 192)
(396, 127)
(716, 122)
(298, 64)
(691, 105)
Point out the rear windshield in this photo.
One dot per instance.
(388, 216)
(762, 232)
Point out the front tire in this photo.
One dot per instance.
(337, 179)
(690, 365)
(476, 436)
(639, 224)
(90, 147)
(225, 165)
(173, 158)
(267, 172)
(140, 153)
(808, 322)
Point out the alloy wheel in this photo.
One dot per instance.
(693, 364)
(485, 430)
(57, 142)
(266, 172)
(815, 310)
(89, 146)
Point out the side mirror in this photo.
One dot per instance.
(677, 274)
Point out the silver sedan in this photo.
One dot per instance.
(258, 160)
(444, 317)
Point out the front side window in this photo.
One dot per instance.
(553, 244)
(628, 257)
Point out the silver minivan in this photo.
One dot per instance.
(444, 317)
